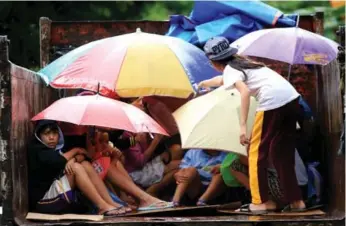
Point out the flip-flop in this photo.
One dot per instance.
(289, 209)
(176, 203)
(246, 209)
(155, 206)
(201, 202)
(109, 214)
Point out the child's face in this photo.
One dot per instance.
(50, 137)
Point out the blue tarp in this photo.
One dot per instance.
(231, 19)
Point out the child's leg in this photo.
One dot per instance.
(240, 171)
(173, 165)
(124, 182)
(122, 170)
(174, 152)
(241, 178)
(191, 184)
(167, 180)
(177, 152)
(81, 180)
(98, 183)
(216, 188)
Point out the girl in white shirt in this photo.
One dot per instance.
(273, 133)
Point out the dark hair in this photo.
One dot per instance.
(240, 63)
(50, 126)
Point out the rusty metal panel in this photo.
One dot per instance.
(65, 36)
(5, 132)
(79, 33)
(23, 95)
(29, 96)
(329, 112)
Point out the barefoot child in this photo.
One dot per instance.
(199, 176)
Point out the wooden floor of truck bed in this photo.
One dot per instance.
(208, 215)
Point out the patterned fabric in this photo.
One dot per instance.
(274, 187)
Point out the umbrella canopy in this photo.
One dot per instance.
(102, 112)
(291, 45)
(132, 65)
(212, 121)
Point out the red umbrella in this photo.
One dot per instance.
(102, 112)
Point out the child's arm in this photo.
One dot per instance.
(244, 109)
(73, 152)
(152, 147)
(213, 82)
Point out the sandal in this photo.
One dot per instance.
(176, 203)
(289, 209)
(201, 202)
(246, 209)
(108, 213)
(156, 206)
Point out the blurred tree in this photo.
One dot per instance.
(19, 21)
(334, 14)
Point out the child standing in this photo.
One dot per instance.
(273, 134)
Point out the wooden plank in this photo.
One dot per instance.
(185, 209)
(51, 217)
(278, 214)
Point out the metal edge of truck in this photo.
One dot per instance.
(19, 89)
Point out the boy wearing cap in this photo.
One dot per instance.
(273, 133)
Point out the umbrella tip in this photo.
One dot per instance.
(138, 30)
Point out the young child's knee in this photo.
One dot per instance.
(86, 165)
(176, 152)
(191, 172)
(77, 167)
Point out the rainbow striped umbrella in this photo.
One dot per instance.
(132, 65)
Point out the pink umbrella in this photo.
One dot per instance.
(102, 112)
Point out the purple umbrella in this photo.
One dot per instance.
(291, 45)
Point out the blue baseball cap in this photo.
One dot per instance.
(218, 48)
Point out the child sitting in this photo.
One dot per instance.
(108, 162)
(199, 174)
(154, 173)
(54, 175)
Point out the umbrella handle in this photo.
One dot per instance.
(98, 88)
(150, 134)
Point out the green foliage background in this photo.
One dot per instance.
(19, 20)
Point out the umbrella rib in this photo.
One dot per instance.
(295, 44)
